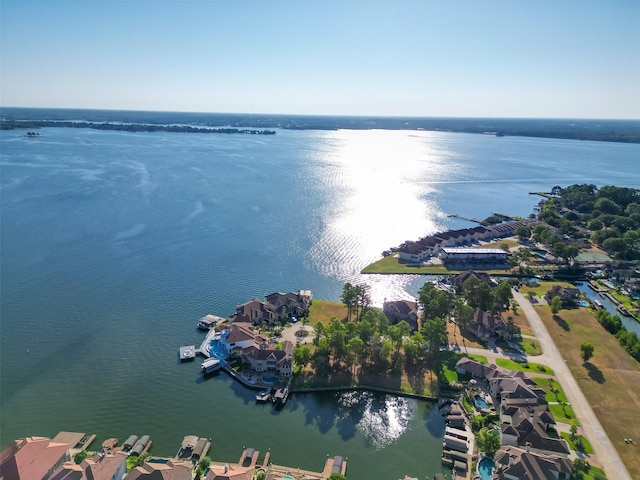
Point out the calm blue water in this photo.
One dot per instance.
(114, 244)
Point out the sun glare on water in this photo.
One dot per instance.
(384, 198)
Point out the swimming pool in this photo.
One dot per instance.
(485, 468)
(287, 477)
(269, 380)
(481, 403)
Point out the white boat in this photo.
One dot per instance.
(210, 365)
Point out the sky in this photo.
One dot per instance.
(475, 58)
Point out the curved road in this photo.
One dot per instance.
(607, 454)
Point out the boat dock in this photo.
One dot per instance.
(462, 217)
(187, 353)
(336, 464)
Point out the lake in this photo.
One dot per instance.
(114, 244)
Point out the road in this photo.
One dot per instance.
(607, 454)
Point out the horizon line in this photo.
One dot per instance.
(344, 115)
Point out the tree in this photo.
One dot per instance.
(337, 476)
(556, 305)
(302, 355)
(523, 232)
(573, 431)
(477, 293)
(586, 351)
(357, 349)
(80, 456)
(349, 298)
(434, 332)
(488, 442)
(502, 296)
(359, 294)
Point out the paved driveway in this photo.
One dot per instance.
(607, 454)
(289, 333)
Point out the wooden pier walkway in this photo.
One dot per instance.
(462, 217)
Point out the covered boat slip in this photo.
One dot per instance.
(210, 365)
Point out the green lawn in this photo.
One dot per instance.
(562, 413)
(530, 346)
(524, 367)
(582, 444)
(391, 264)
(449, 360)
(547, 384)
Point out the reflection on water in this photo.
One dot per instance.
(381, 419)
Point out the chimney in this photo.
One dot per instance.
(512, 459)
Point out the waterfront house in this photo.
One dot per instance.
(569, 296)
(458, 280)
(102, 466)
(287, 305)
(512, 463)
(263, 359)
(257, 311)
(278, 306)
(229, 471)
(399, 310)
(169, 470)
(238, 336)
(33, 458)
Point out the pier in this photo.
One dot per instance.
(462, 217)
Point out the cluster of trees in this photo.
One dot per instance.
(357, 300)
(611, 214)
(629, 340)
(368, 341)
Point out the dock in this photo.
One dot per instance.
(336, 464)
(187, 353)
(462, 217)
(77, 440)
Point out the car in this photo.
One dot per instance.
(294, 319)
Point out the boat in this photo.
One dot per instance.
(623, 310)
(281, 396)
(598, 305)
(263, 397)
(210, 365)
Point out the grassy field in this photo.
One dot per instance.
(322, 311)
(391, 264)
(610, 381)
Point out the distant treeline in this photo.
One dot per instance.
(579, 129)
(124, 127)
